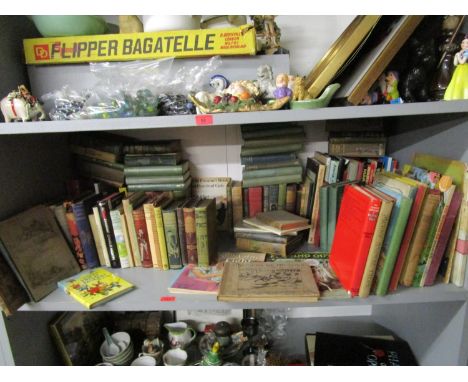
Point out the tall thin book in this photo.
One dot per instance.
(292, 282)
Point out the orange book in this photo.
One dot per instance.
(353, 236)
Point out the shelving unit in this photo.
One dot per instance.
(34, 161)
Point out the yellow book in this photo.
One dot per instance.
(161, 237)
(95, 287)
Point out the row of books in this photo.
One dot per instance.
(397, 230)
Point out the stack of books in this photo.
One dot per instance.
(271, 169)
(275, 232)
(403, 229)
(157, 166)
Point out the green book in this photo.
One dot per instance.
(281, 131)
(160, 187)
(292, 170)
(323, 207)
(391, 245)
(267, 141)
(282, 196)
(171, 231)
(332, 212)
(156, 170)
(157, 179)
(272, 165)
(205, 231)
(266, 181)
(428, 245)
(169, 159)
(276, 149)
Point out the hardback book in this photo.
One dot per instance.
(171, 233)
(94, 287)
(37, 249)
(272, 131)
(268, 228)
(162, 146)
(237, 203)
(323, 218)
(291, 197)
(218, 188)
(123, 247)
(279, 249)
(291, 282)
(353, 236)
(168, 159)
(377, 240)
(157, 179)
(188, 211)
(269, 158)
(263, 236)
(107, 172)
(268, 150)
(181, 186)
(282, 220)
(356, 146)
(272, 165)
(193, 279)
(269, 180)
(97, 239)
(101, 241)
(255, 200)
(319, 169)
(343, 350)
(282, 187)
(142, 237)
(105, 206)
(179, 169)
(205, 231)
(392, 241)
(248, 228)
(272, 172)
(60, 216)
(130, 202)
(274, 140)
(12, 294)
(75, 234)
(421, 232)
(181, 230)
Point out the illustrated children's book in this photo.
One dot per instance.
(198, 280)
(95, 287)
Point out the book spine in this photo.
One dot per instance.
(323, 200)
(375, 248)
(255, 200)
(150, 219)
(314, 232)
(409, 232)
(123, 223)
(102, 240)
(443, 239)
(272, 141)
(161, 237)
(265, 196)
(155, 170)
(201, 232)
(252, 174)
(159, 187)
(282, 131)
(267, 181)
(172, 239)
(156, 179)
(273, 197)
(331, 210)
(119, 239)
(181, 231)
(86, 236)
(245, 202)
(237, 204)
(427, 245)
(291, 190)
(273, 158)
(356, 149)
(97, 239)
(73, 229)
(156, 147)
(282, 196)
(104, 213)
(262, 237)
(94, 153)
(142, 237)
(272, 166)
(151, 160)
(190, 235)
(60, 216)
(244, 244)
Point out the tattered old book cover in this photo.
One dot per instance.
(95, 287)
(292, 282)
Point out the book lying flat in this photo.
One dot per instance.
(268, 228)
(292, 282)
(95, 287)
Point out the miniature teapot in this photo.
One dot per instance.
(180, 334)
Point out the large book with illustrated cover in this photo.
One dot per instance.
(95, 287)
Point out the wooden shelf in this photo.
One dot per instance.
(222, 119)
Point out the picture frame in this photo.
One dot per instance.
(380, 47)
(339, 54)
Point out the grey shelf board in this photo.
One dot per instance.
(151, 294)
(221, 119)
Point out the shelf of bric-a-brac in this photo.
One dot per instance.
(454, 108)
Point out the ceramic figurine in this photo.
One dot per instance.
(299, 91)
(282, 89)
(218, 83)
(458, 86)
(391, 89)
(268, 33)
(212, 358)
(265, 81)
(20, 105)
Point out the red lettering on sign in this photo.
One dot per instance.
(204, 119)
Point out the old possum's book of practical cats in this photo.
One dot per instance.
(292, 282)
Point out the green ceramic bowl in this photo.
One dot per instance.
(315, 103)
(70, 25)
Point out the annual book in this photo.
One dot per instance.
(95, 287)
(282, 220)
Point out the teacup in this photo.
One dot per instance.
(144, 360)
(175, 357)
(180, 334)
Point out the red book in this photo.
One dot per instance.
(255, 200)
(353, 236)
(75, 234)
(447, 226)
(142, 237)
(408, 235)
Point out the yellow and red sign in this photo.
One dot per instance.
(141, 46)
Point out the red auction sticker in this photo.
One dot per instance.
(204, 119)
(167, 299)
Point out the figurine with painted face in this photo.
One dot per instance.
(282, 90)
(458, 86)
(391, 87)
